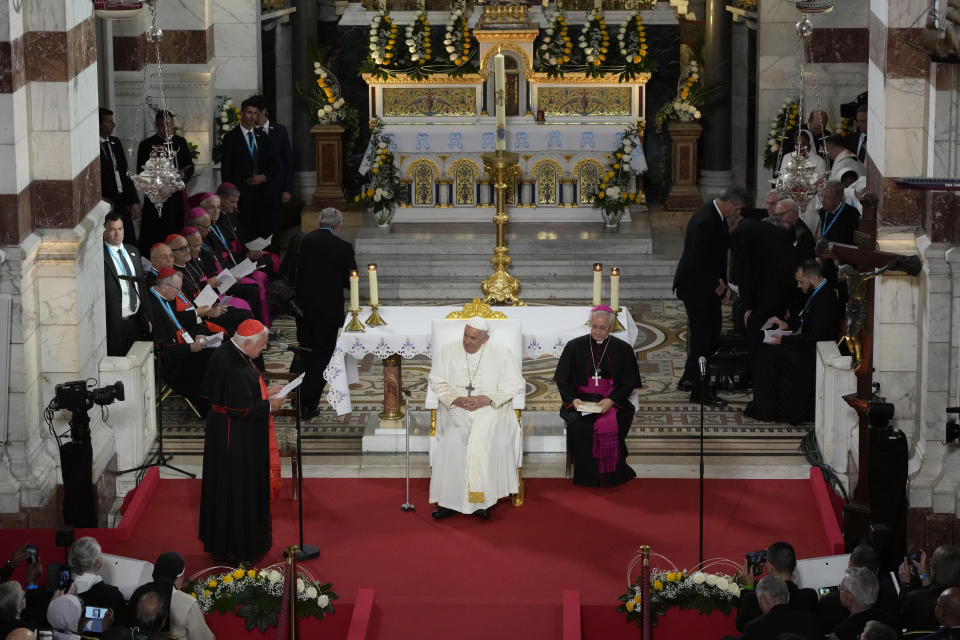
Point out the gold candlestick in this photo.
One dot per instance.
(616, 321)
(355, 324)
(374, 319)
(501, 287)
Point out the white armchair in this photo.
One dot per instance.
(507, 333)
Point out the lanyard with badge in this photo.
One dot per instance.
(806, 306)
(181, 332)
(836, 215)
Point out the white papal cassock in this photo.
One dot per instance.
(477, 452)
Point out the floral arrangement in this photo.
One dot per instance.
(326, 102)
(632, 41)
(747, 5)
(555, 46)
(383, 41)
(595, 42)
(846, 126)
(226, 118)
(685, 107)
(784, 127)
(257, 595)
(459, 39)
(381, 193)
(418, 39)
(705, 592)
(615, 191)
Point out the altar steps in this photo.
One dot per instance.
(553, 261)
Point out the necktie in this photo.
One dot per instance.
(128, 271)
(116, 169)
(253, 151)
(862, 153)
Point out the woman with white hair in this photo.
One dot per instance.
(64, 614)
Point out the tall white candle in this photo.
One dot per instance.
(500, 101)
(597, 276)
(374, 292)
(354, 291)
(596, 4)
(615, 288)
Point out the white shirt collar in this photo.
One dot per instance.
(265, 125)
(102, 139)
(719, 213)
(85, 581)
(246, 131)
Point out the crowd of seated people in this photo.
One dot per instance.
(923, 602)
(88, 607)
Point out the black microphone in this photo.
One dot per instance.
(702, 361)
(283, 346)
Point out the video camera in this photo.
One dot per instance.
(880, 413)
(75, 396)
(756, 560)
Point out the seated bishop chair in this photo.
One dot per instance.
(506, 333)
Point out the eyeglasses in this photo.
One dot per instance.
(183, 248)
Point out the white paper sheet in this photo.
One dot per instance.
(243, 269)
(768, 335)
(206, 297)
(260, 243)
(214, 341)
(227, 280)
(290, 386)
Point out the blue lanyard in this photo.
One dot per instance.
(251, 142)
(836, 215)
(166, 307)
(809, 300)
(121, 268)
(220, 235)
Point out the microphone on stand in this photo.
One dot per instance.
(283, 346)
(702, 361)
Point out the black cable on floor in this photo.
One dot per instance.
(811, 451)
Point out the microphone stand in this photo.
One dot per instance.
(703, 395)
(407, 506)
(307, 551)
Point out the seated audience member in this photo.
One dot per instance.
(21, 633)
(858, 594)
(781, 562)
(948, 615)
(85, 559)
(876, 630)
(13, 601)
(837, 220)
(151, 614)
(160, 256)
(784, 367)
(64, 615)
(919, 593)
(185, 621)
(831, 611)
(178, 339)
(229, 224)
(773, 596)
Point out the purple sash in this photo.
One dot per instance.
(605, 428)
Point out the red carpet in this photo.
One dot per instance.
(468, 578)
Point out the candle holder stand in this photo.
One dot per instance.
(355, 325)
(616, 321)
(501, 287)
(374, 319)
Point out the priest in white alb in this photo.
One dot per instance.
(478, 435)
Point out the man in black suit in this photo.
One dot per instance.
(156, 227)
(858, 593)
(838, 220)
(247, 161)
(781, 562)
(322, 271)
(948, 615)
(763, 270)
(787, 212)
(700, 282)
(124, 289)
(281, 183)
(856, 141)
(116, 187)
(784, 368)
(778, 617)
(85, 559)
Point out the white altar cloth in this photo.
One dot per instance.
(546, 330)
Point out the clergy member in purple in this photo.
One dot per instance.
(596, 375)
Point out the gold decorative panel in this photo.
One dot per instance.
(430, 101)
(547, 184)
(589, 178)
(423, 185)
(584, 101)
(464, 186)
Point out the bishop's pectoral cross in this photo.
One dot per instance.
(470, 388)
(596, 378)
(862, 264)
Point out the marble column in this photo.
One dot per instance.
(304, 29)
(716, 170)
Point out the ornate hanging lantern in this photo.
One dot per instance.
(159, 178)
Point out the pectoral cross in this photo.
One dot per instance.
(596, 378)
(470, 388)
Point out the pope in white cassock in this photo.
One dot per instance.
(478, 436)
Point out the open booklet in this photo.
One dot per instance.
(290, 386)
(769, 331)
(260, 243)
(589, 407)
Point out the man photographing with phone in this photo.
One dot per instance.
(779, 559)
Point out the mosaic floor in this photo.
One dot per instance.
(667, 423)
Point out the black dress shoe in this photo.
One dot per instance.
(709, 400)
(483, 514)
(442, 512)
(308, 413)
(686, 385)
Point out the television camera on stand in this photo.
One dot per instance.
(76, 455)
